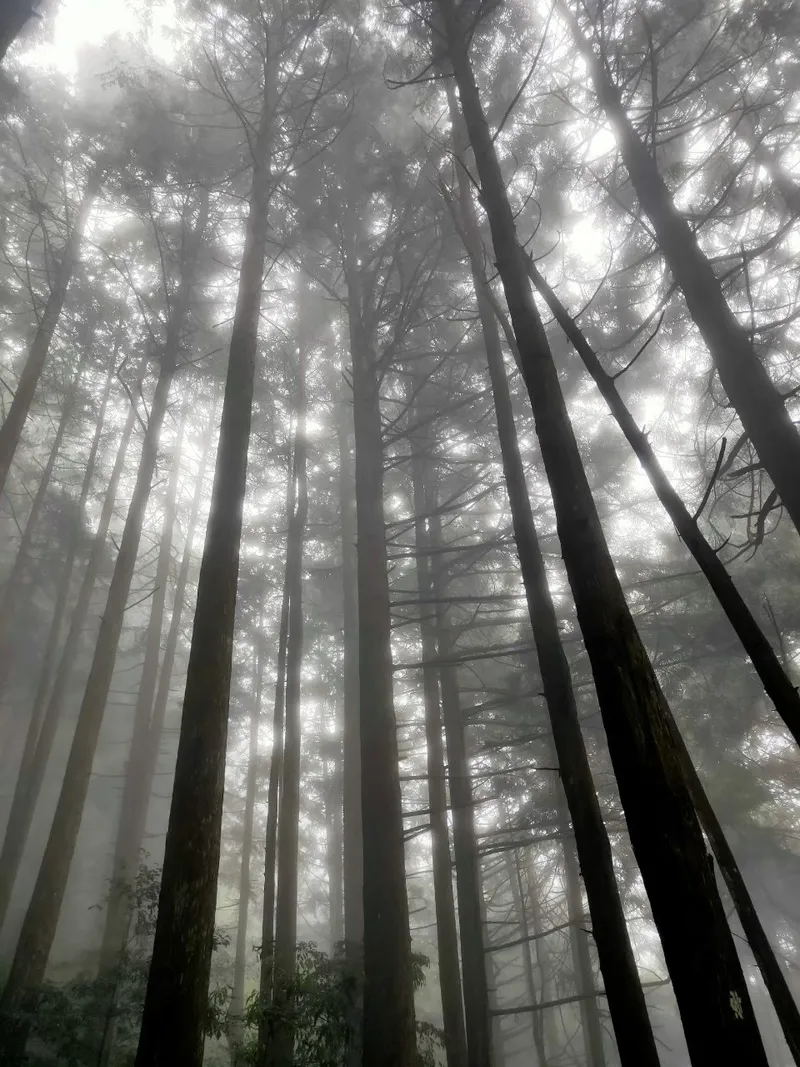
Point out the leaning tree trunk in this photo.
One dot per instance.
(755, 397)
(46, 717)
(389, 1038)
(766, 662)
(21, 993)
(469, 890)
(175, 1004)
(11, 430)
(139, 779)
(279, 1050)
(236, 1005)
(625, 995)
(667, 840)
(446, 931)
(15, 584)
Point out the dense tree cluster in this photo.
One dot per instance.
(399, 513)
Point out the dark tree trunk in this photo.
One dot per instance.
(446, 930)
(177, 989)
(351, 748)
(701, 956)
(21, 993)
(11, 430)
(14, 16)
(274, 788)
(469, 890)
(766, 662)
(280, 1048)
(236, 1004)
(139, 779)
(333, 847)
(389, 1037)
(39, 742)
(757, 400)
(625, 996)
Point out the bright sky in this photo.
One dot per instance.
(77, 23)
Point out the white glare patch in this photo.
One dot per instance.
(587, 239)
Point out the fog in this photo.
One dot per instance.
(399, 511)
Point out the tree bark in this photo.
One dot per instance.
(626, 998)
(469, 892)
(389, 1037)
(139, 780)
(39, 741)
(14, 586)
(758, 402)
(11, 430)
(279, 1051)
(274, 788)
(446, 930)
(707, 976)
(351, 749)
(236, 1004)
(176, 999)
(766, 662)
(13, 19)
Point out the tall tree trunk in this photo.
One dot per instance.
(766, 662)
(333, 847)
(469, 892)
(279, 1051)
(177, 988)
(274, 788)
(579, 943)
(389, 1037)
(11, 430)
(625, 995)
(512, 865)
(351, 749)
(21, 993)
(236, 1004)
(139, 779)
(39, 741)
(757, 400)
(446, 931)
(678, 874)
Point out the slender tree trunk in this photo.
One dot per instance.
(62, 596)
(512, 866)
(579, 943)
(236, 1005)
(139, 780)
(177, 989)
(766, 662)
(11, 430)
(280, 1049)
(626, 998)
(274, 787)
(389, 1038)
(15, 584)
(707, 976)
(757, 400)
(351, 749)
(20, 996)
(446, 931)
(469, 891)
(333, 847)
(39, 742)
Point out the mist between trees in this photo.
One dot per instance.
(399, 511)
